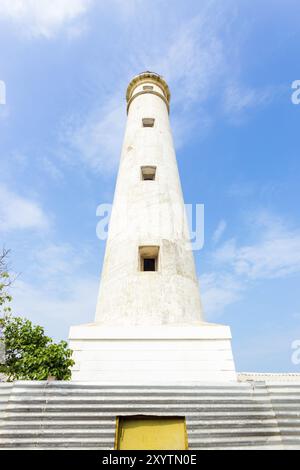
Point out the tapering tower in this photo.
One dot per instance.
(148, 276)
(149, 325)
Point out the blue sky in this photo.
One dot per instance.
(230, 66)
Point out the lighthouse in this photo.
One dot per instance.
(150, 373)
(149, 323)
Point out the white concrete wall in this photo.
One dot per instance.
(148, 213)
(153, 356)
(149, 326)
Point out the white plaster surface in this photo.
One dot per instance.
(157, 355)
(148, 213)
(154, 319)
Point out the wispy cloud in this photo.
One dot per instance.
(54, 259)
(48, 307)
(218, 233)
(219, 289)
(49, 167)
(44, 18)
(56, 288)
(238, 99)
(19, 213)
(196, 57)
(98, 139)
(191, 58)
(275, 253)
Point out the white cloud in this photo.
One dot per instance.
(50, 307)
(98, 139)
(126, 9)
(217, 235)
(44, 17)
(238, 99)
(19, 213)
(191, 59)
(51, 169)
(56, 259)
(200, 60)
(218, 290)
(194, 57)
(275, 253)
(55, 288)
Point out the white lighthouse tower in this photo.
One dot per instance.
(149, 326)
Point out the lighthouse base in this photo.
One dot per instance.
(152, 355)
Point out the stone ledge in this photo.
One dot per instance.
(96, 331)
(268, 377)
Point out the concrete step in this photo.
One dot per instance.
(141, 392)
(288, 422)
(106, 442)
(286, 431)
(68, 415)
(246, 444)
(201, 441)
(197, 439)
(250, 446)
(83, 415)
(99, 401)
(197, 426)
(117, 409)
(57, 433)
(96, 385)
(80, 424)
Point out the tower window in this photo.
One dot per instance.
(148, 122)
(149, 264)
(148, 173)
(147, 87)
(148, 258)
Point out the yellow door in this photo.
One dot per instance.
(148, 433)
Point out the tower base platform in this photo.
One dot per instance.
(152, 355)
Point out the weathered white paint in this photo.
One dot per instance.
(140, 308)
(148, 213)
(181, 356)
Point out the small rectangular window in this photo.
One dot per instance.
(149, 264)
(147, 87)
(148, 122)
(148, 258)
(148, 173)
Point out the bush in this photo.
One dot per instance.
(30, 354)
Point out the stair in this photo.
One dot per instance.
(77, 415)
(285, 399)
(5, 391)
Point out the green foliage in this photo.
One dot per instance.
(30, 354)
